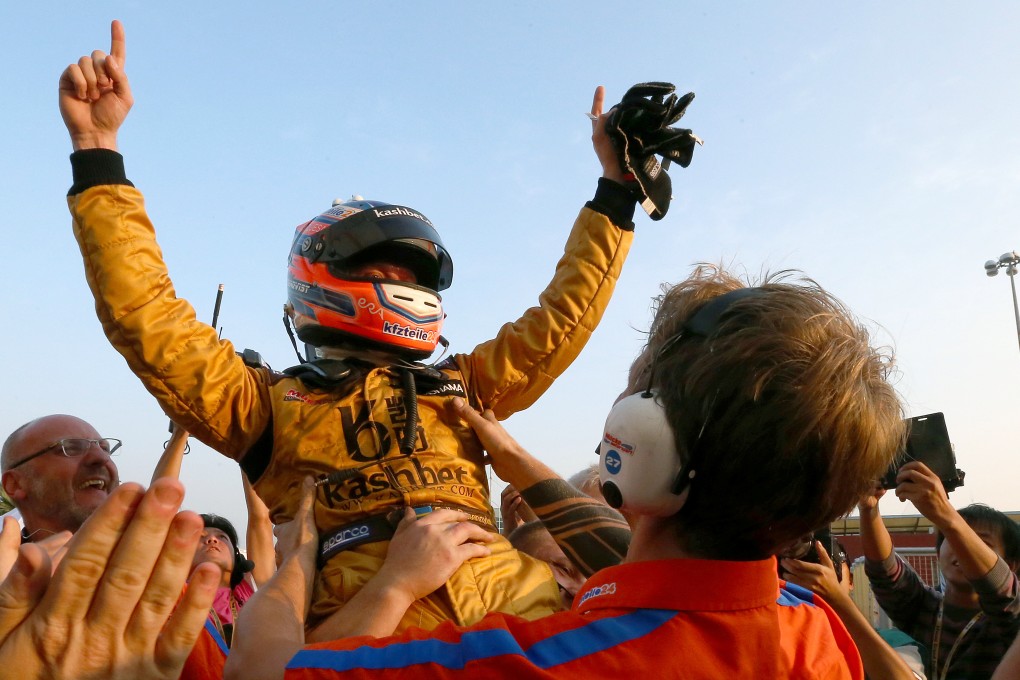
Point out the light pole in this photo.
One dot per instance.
(1010, 261)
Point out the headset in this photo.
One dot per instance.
(640, 469)
(242, 565)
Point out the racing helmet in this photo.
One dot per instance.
(332, 307)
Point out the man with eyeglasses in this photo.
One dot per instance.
(57, 470)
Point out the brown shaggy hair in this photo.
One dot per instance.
(786, 406)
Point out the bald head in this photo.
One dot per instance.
(53, 491)
(19, 443)
(587, 482)
(7, 455)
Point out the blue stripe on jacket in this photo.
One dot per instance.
(217, 638)
(570, 645)
(792, 595)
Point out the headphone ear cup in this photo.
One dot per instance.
(638, 460)
(242, 566)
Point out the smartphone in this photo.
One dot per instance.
(928, 442)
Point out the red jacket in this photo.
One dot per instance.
(666, 619)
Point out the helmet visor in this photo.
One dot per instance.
(355, 238)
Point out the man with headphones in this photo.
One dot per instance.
(755, 415)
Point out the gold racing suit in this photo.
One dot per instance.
(283, 429)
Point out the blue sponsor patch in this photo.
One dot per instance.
(613, 461)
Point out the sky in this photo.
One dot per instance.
(872, 146)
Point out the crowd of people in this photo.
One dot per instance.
(755, 415)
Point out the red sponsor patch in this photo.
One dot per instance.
(617, 443)
(294, 395)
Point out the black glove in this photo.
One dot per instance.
(639, 128)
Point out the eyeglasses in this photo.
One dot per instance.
(74, 447)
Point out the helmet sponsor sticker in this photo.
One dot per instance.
(613, 462)
(413, 332)
(599, 591)
(314, 227)
(341, 211)
(617, 443)
(400, 211)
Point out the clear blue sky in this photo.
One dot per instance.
(872, 145)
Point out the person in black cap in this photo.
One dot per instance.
(219, 546)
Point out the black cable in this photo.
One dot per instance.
(411, 406)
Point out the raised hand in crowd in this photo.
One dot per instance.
(514, 511)
(258, 535)
(298, 539)
(170, 462)
(922, 487)
(870, 501)
(978, 553)
(110, 610)
(10, 541)
(875, 539)
(916, 483)
(571, 516)
(880, 660)
(95, 96)
(604, 147)
(262, 651)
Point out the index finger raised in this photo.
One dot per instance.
(118, 44)
(597, 102)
